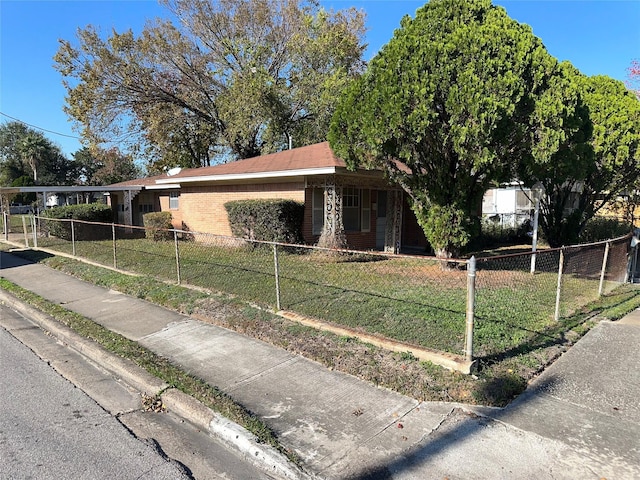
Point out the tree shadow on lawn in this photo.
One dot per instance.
(554, 335)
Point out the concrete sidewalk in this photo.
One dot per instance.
(580, 419)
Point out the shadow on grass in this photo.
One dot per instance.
(556, 335)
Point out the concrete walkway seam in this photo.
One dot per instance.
(185, 406)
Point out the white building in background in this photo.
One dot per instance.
(508, 206)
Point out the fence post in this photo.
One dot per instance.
(25, 232)
(556, 315)
(534, 239)
(73, 238)
(115, 258)
(175, 241)
(34, 231)
(277, 268)
(604, 268)
(471, 302)
(634, 263)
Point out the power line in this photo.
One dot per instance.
(40, 128)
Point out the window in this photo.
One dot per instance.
(317, 212)
(351, 209)
(145, 208)
(366, 210)
(356, 210)
(173, 200)
(523, 203)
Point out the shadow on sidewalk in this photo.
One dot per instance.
(457, 432)
(7, 260)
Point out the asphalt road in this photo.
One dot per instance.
(51, 429)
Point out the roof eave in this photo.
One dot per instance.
(252, 176)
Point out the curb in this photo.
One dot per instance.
(231, 434)
(125, 369)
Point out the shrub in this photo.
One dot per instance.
(86, 212)
(157, 226)
(493, 234)
(266, 220)
(603, 228)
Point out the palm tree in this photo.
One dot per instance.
(33, 148)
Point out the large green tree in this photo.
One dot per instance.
(104, 167)
(12, 166)
(231, 77)
(444, 108)
(26, 152)
(586, 150)
(561, 157)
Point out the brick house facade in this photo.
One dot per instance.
(372, 214)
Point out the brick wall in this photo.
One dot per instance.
(202, 207)
(176, 214)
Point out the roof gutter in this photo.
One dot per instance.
(250, 176)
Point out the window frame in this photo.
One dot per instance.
(365, 210)
(174, 200)
(317, 208)
(351, 200)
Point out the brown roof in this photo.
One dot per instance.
(140, 181)
(318, 155)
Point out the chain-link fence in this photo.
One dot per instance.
(540, 289)
(511, 300)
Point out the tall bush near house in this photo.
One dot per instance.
(266, 220)
(91, 212)
(157, 226)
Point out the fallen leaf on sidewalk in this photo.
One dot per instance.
(152, 404)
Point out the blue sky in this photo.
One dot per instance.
(597, 36)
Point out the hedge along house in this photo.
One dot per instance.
(359, 205)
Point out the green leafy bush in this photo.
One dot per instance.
(447, 228)
(86, 212)
(603, 228)
(267, 220)
(158, 226)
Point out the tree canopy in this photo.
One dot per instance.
(104, 167)
(444, 108)
(228, 77)
(27, 153)
(586, 150)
